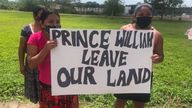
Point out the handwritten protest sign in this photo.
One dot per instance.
(101, 61)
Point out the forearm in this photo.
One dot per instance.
(37, 59)
(158, 53)
(21, 55)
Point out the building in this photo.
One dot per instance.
(89, 10)
(129, 9)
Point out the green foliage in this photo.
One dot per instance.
(164, 7)
(11, 82)
(27, 5)
(68, 8)
(92, 4)
(113, 7)
(172, 82)
(5, 4)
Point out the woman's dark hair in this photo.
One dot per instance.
(46, 13)
(37, 9)
(138, 7)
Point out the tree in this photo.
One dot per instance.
(66, 6)
(173, 5)
(164, 6)
(9, 5)
(3, 4)
(66, 1)
(27, 5)
(92, 4)
(113, 7)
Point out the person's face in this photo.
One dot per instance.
(144, 12)
(52, 21)
(143, 17)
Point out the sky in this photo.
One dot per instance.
(129, 2)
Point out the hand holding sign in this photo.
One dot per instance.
(155, 58)
(50, 44)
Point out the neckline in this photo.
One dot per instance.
(30, 25)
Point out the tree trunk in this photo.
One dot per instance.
(161, 16)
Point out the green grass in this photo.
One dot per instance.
(172, 82)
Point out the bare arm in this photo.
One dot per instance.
(158, 54)
(21, 54)
(35, 58)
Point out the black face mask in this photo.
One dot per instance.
(47, 28)
(143, 22)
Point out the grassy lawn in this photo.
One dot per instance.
(172, 82)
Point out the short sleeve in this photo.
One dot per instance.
(26, 32)
(23, 33)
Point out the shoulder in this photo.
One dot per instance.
(36, 35)
(127, 27)
(158, 36)
(35, 38)
(27, 28)
(26, 31)
(157, 33)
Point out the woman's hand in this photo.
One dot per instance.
(50, 44)
(35, 57)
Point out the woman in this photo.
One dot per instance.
(142, 21)
(38, 48)
(30, 76)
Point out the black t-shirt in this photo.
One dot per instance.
(26, 32)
